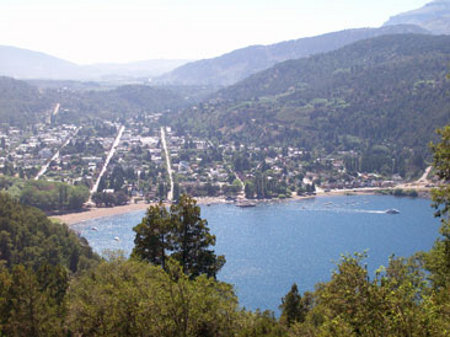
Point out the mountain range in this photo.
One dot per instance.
(27, 64)
(389, 90)
(239, 64)
(434, 16)
(230, 68)
(223, 70)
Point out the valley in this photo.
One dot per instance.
(343, 120)
(269, 169)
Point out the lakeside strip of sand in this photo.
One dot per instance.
(94, 213)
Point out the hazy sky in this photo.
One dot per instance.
(91, 31)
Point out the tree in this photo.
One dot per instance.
(182, 233)
(132, 298)
(192, 240)
(117, 178)
(176, 191)
(153, 239)
(441, 163)
(438, 259)
(26, 307)
(292, 309)
(162, 190)
(394, 303)
(28, 237)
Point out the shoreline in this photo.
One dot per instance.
(95, 213)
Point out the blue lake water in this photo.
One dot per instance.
(270, 246)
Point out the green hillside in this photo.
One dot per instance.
(121, 102)
(21, 103)
(24, 104)
(390, 91)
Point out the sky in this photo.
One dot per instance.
(118, 31)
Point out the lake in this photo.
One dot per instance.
(272, 245)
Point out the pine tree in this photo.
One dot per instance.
(292, 309)
(153, 238)
(192, 240)
(180, 231)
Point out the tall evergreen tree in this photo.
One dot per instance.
(153, 239)
(180, 232)
(291, 307)
(192, 240)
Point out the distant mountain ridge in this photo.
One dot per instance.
(239, 64)
(434, 16)
(390, 90)
(27, 64)
(23, 64)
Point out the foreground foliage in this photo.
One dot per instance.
(397, 302)
(29, 238)
(37, 259)
(131, 298)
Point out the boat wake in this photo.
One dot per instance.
(345, 210)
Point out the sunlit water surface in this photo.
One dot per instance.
(270, 246)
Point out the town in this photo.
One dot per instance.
(123, 162)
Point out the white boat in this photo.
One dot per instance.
(245, 204)
(392, 211)
(94, 229)
(116, 238)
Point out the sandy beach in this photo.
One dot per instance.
(94, 212)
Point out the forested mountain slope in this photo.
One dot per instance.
(239, 64)
(389, 90)
(121, 102)
(21, 103)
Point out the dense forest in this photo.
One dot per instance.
(45, 195)
(374, 92)
(23, 104)
(51, 284)
(122, 102)
(29, 238)
(20, 103)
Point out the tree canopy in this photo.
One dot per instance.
(29, 238)
(179, 233)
